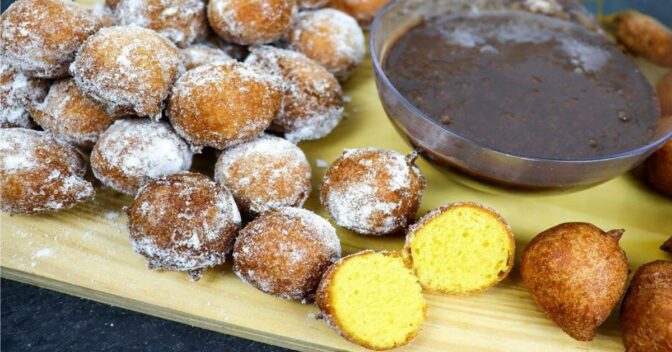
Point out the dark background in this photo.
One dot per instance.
(38, 320)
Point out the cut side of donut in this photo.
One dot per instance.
(460, 248)
(372, 299)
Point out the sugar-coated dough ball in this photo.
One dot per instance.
(17, 92)
(373, 191)
(181, 21)
(362, 10)
(134, 151)
(312, 104)
(250, 22)
(330, 37)
(265, 173)
(183, 222)
(222, 104)
(312, 4)
(284, 252)
(68, 114)
(39, 173)
(200, 54)
(40, 37)
(127, 69)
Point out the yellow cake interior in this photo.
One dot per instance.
(463, 249)
(377, 300)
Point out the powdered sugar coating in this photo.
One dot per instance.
(40, 37)
(184, 222)
(312, 104)
(285, 251)
(200, 54)
(128, 69)
(68, 114)
(134, 151)
(39, 174)
(17, 91)
(223, 104)
(330, 37)
(250, 22)
(373, 191)
(265, 173)
(180, 21)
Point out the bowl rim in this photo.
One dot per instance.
(380, 73)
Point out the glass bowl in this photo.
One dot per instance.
(465, 155)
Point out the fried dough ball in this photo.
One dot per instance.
(312, 4)
(236, 51)
(373, 191)
(658, 169)
(181, 21)
(312, 104)
(129, 70)
(134, 151)
(362, 10)
(330, 37)
(17, 92)
(183, 222)
(284, 252)
(200, 54)
(39, 173)
(40, 37)
(265, 173)
(222, 104)
(248, 22)
(68, 114)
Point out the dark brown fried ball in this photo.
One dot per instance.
(667, 246)
(132, 152)
(312, 104)
(330, 37)
(658, 169)
(284, 252)
(68, 114)
(128, 69)
(181, 21)
(646, 313)
(40, 37)
(248, 22)
(362, 10)
(265, 173)
(183, 222)
(17, 92)
(373, 191)
(576, 274)
(39, 174)
(222, 104)
(200, 54)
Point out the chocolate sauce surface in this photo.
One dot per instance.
(524, 84)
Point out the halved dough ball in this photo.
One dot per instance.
(373, 300)
(223, 104)
(200, 54)
(68, 114)
(39, 173)
(312, 104)
(265, 173)
(132, 152)
(460, 248)
(40, 37)
(17, 92)
(129, 70)
(248, 22)
(330, 37)
(180, 21)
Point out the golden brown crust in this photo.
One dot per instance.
(576, 274)
(658, 169)
(646, 313)
(362, 10)
(250, 22)
(643, 35)
(324, 301)
(667, 246)
(408, 258)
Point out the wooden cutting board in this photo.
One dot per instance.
(85, 252)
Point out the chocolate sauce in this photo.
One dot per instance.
(524, 84)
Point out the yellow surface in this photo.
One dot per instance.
(463, 249)
(85, 251)
(376, 300)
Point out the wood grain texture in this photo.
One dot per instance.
(85, 252)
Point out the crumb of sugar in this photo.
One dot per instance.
(321, 163)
